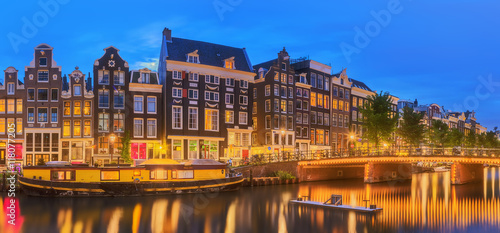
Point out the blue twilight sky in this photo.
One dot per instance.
(438, 51)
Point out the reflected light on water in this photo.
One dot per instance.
(114, 221)
(136, 218)
(65, 220)
(231, 218)
(158, 215)
(428, 206)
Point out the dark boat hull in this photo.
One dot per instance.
(35, 187)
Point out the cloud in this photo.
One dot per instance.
(150, 63)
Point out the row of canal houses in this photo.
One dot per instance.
(205, 101)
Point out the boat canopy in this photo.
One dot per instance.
(202, 162)
(159, 162)
(57, 163)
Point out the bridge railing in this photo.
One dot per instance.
(370, 152)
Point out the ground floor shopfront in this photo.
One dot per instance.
(77, 150)
(42, 145)
(16, 152)
(189, 147)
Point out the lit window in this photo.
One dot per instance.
(11, 105)
(77, 128)
(31, 115)
(229, 117)
(118, 122)
(103, 122)
(67, 108)
(86, 128)
(77, 110)
(211, 120)
(42, 115)
(229, 64)
(19, 126)
(87, 108)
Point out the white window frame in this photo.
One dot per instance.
(142, 103)
(154, 127)
(142, 128)
(173, 117)
(177, 75)
(226, 99)
(216, 96)
(243, 115)
(196, 118)
(176, 92)
(195, 94)
(11, 88)
(243, 100)
(155, 103)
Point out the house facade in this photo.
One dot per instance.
(43, 83)
(77, 137)
(319, 78)
(12, 119)
(144, 119)
(275, 104)
(111, 73)
(207, 92)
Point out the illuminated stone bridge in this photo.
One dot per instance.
(379, 169)
(372, 169)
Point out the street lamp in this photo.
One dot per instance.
(352, 141)
(112, 138)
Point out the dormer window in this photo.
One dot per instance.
(144, 78)
(229, 63)
(193, 57)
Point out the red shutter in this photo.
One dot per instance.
(183, 74)
(184, 93)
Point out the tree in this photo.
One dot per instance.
(491, 140)
(481, 140)
(380, 121)
(438, 133)
(411, 130)
(455, 137)
(470, 139)
(125, 148)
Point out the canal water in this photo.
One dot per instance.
(427, 203)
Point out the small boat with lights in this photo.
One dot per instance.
(152, 177)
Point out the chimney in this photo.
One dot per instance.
(167, 33)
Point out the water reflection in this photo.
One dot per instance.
(427, 203)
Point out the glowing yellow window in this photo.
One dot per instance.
(67, 128)
(313, 99)
(67, 108)
(78, 108)
(2, 106)
(77, 128)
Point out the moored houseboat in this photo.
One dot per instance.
(153, 177)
